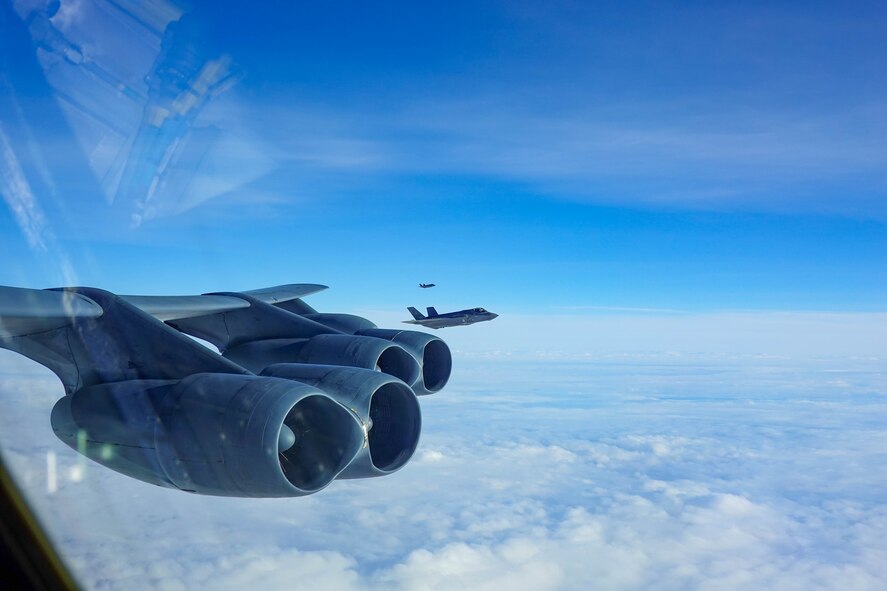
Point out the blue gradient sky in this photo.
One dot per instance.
(525, 156)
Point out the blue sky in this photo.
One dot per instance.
(529, 156)
(679, 211)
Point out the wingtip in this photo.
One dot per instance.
(283, 293)
(26, 311)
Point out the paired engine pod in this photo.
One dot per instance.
(329, 349)
(387, 408)
(348, 323)
(431, 352)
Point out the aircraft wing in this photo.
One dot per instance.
(333, 394)
(285, 293)
(178, 307)
(29, 311)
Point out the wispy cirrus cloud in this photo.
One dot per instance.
(655, 154)
(28, 214)
(16, 191)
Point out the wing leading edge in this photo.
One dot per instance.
(26, 311)
(180, 307)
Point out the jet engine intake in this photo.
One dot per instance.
(387, 408)
(432, 353)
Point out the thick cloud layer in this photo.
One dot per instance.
(655, 475)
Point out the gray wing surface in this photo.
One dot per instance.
(180, 307)
(177, 307)
(332, 394)
(285, 293)
(29, 311)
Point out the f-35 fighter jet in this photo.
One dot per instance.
(460, 318)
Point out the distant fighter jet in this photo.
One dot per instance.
(462, 317)
(426, 285)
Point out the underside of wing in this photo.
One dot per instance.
(29, 311)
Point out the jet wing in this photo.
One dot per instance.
(30, 311)
(285, 293)
(178, 307)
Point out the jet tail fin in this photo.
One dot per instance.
(432, 312)
(416, 314)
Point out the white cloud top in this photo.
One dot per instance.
(731, 475)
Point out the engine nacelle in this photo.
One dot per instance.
(329, 349)
(216, 434)
(433, 355)
(388, 409)
(348, 323)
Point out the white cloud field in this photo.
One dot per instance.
(654, 473)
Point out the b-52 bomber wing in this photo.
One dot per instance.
(176, 307)
(294, 399)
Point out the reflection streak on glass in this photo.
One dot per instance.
(133, 80)
(51, 473)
